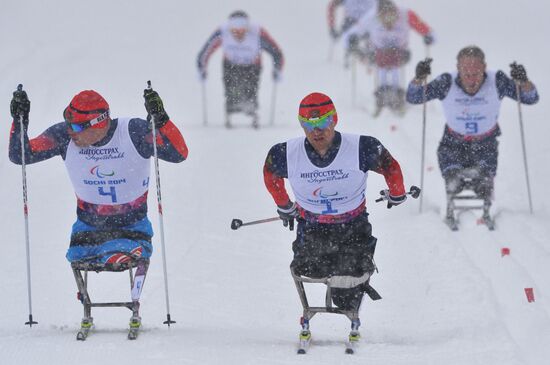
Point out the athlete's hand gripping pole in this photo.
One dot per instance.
(414, 192)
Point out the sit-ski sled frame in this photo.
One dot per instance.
(467, 194)
(309, 312)
(80, 272)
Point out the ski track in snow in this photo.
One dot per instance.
(448, 297)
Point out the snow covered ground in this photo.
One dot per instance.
(449, 297)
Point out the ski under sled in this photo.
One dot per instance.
(248, 109)
(465, 199)
(454, 211)
(309, 312)
(137, 268)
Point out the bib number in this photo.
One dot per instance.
(111, 192)
(471, 128)
(329, 207)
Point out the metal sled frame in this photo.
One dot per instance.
(452, 207)
(309, 312)
(253, 115)
(83, 267)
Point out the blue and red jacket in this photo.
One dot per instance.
(373, 156)
(54, 141)
(267, 43)
(439, 88)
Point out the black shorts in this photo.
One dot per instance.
(325, 250)
(241, 86)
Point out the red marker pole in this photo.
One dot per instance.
(530, 294)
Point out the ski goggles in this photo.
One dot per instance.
(321, 122)
(79, 127)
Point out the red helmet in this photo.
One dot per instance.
(87, 106)
(316, 105)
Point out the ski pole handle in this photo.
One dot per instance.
(414, 192)
(149, 87)
(237, 223)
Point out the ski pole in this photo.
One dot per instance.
(524, 148)
(273, 102)
(204, 106)
(237, 223)
(161, 221)
(353, 81)
(30, 322)
(423, 152)
(331, 50)
(414, 192)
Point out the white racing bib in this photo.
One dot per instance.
(244, 52)
(355, 9)
(111, 174)
(336, 189)
(472, 115)
(381, 37)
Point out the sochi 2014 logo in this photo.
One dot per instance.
(101, 174)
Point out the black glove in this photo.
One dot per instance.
(276, 75)
(429, 39)
(287, 213)
(155, 108)
(20, 106)
(202, 74)
(333, 33)
(392, 200)
(353, 43)
(423, 69)
(518, 73)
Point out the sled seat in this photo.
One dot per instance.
(90, 265)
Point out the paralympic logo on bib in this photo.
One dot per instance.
(319, 192)
(327, 198)
(96, 171)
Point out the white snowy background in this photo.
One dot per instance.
(449, 297)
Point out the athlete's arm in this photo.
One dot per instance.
(275, 171)
(436, 89)
(528, 93)
(213, 43)
(268, 44)
(417, 24)
(52, 142)
(331, 13)
(171, 145)
(375, 157)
